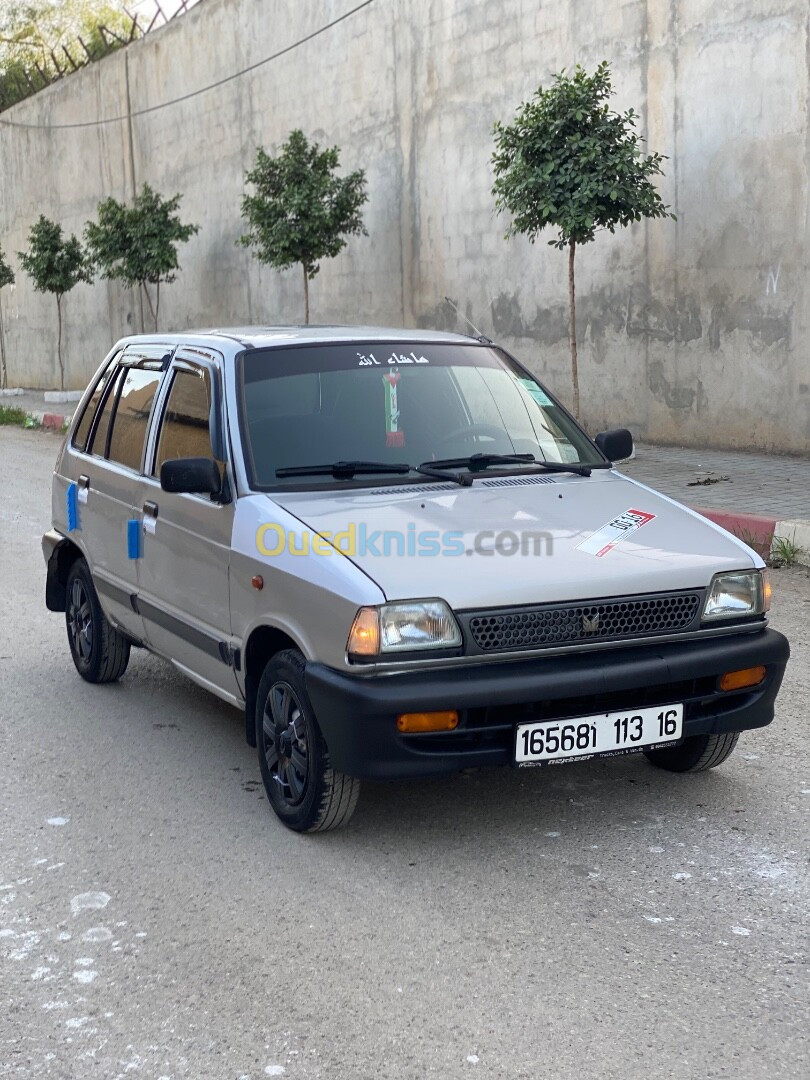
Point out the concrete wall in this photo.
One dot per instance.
(693, 331)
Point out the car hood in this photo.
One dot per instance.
(562, 538)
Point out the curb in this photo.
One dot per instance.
(759, 531)
(50, 421)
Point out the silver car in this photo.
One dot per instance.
(400, 555)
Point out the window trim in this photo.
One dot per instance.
(111, 367)
(189, 358)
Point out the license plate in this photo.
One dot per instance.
(604, 734)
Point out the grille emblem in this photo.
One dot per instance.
(590, 623)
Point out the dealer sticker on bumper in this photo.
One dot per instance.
(604, 734)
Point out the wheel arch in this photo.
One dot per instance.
(63, 555)
(264, 641)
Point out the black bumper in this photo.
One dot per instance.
(358, 714)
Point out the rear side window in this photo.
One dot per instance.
(131, 420)
(98, 444)
(185, 431)
(82, 431)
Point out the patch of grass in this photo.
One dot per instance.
(10, 415)
(783, 551)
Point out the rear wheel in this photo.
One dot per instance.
(695, 754)
(302, 787)
(99, 652)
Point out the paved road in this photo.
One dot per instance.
(599, 921)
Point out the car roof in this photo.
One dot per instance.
(263, 337)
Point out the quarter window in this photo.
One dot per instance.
(82, 431)
(132, 414)
(98, 445)
(185, 431)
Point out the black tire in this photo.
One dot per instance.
(695, 754)
(99, 652)
(303, 789)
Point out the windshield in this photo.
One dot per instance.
(395, 403)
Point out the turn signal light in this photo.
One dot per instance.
(737, 680)
(427, 721)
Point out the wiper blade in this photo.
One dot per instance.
(344, 470)
(482, 461)
(477, 462)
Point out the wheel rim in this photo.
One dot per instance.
(80, 620)
(285, 744)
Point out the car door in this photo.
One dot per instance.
(109, 450)
(183, 589)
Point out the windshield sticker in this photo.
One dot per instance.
(394, 358)
(601, 542)
(393, 435)
(536, 392)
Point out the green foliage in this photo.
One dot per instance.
(138, 244)
(43, 39)
(9, 415)
(54, 263)
(301, 211)
(570, 162)
(6, 273)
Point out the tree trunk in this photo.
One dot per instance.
(157, 304)
(306, 295)
(152, 311)
(572, 326)
(59, 341)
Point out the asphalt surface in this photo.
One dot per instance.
(598, 920)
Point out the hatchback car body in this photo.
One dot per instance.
(401, 556)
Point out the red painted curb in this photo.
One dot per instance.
(53, 421)
(753, 529)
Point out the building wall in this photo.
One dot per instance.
(692, 331)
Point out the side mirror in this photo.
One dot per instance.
(616, 445)
(196, 476)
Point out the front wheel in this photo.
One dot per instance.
(302, 787)
(696, 753)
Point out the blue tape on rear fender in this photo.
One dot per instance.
(71, 496)
(134, 538)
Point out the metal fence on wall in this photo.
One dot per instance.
(21, 79)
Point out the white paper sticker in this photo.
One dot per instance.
(82, 495)
(149, 525)
(606, 538)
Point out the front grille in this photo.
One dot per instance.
(586, 622)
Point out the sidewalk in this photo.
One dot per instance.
(762, 495)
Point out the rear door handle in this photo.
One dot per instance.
(84, 482)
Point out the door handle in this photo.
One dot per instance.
(150, 513)
(84, 482)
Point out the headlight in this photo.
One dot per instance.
(417, 624)
(737, 595)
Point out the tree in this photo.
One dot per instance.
(301, 211)
(55, 264)
(138, 244)
(571, 162)
(41, 40)
(6, 278)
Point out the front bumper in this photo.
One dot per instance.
(358, 714)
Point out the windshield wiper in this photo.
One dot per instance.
(344, 470)
(477, 462)
(347, 470)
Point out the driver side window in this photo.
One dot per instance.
(185, 429)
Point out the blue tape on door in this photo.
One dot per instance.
(134, 538)
(71, 496)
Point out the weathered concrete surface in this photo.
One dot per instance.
(693, 331)
(600, 920)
